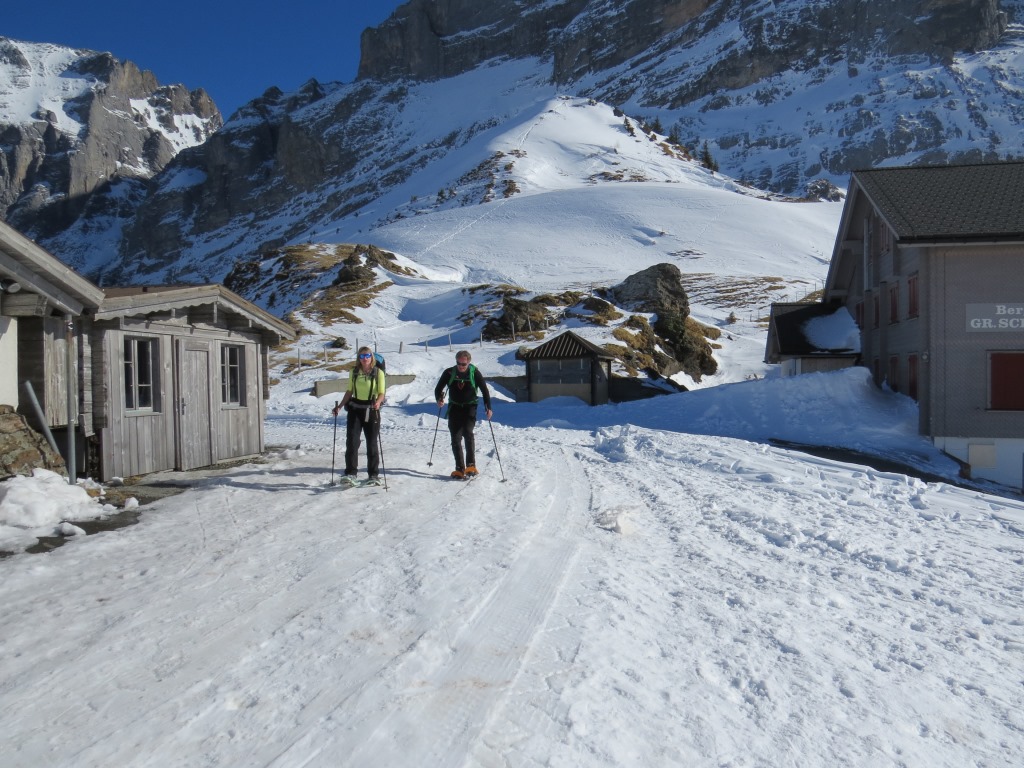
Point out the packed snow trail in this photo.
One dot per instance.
(630, 596)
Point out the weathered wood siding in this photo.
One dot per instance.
(10, 390)
(239, 428)
(136, 442)
(190, 425)
(41, 354)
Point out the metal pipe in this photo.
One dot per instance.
(71, 375)
(39, 414)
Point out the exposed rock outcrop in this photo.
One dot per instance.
(433, 39)
(774, 37)
(22, 449)
(657, 289)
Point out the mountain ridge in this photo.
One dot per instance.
(329, 158)
(77, 121)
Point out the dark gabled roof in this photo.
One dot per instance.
(566, 346)
(944, 203)
(788, 321)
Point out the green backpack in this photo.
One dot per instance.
(472, 376)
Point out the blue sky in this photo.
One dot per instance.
(233, 49)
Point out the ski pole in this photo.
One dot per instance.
(380, 449)
(430, 461)
(334, 447)
(496, 450)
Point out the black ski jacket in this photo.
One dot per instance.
(460, 389)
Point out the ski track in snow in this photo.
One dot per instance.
(738, 614)
(707, 611)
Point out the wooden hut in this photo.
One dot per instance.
(131, 380)
(568, 365)
(178, 378)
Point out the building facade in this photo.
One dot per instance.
(568, 366)
(929, 262)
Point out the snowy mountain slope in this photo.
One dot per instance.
(829, 108)
(37, 78)
(593, 205)
(82, 133)
(592, 196)
(556, 171)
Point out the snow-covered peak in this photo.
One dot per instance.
(37, 80)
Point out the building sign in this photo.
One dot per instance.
(995, 317)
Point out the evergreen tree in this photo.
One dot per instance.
(706, 159)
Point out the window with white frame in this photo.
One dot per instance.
(140, 374)
(232, 375)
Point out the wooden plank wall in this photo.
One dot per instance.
(239, 430)
(139, 443)
(136, 443)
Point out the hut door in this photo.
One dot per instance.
(194, 404)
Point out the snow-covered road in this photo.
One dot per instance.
(627, 597)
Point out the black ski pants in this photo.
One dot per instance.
(362, 421)
(461, 421)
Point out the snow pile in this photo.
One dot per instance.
(837, 331)
(43, 505)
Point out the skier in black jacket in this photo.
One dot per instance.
(462, 381)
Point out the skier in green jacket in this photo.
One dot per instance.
(362, 401)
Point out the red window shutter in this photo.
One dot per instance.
(1006, 377)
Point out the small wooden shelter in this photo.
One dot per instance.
(179, 377)
(132, 380)
(568, 365)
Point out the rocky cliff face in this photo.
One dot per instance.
(280, 149)
(120, 123)
(432, 39)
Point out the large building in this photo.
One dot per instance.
(930, 263)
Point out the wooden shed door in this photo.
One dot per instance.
(194, 405)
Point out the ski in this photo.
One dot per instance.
(346, 483)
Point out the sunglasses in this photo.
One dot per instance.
(365, 357)
(462, 365)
